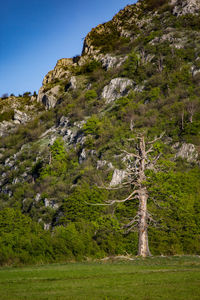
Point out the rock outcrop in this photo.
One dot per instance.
(109, 61)
(72, 85)
(49, 98)
(61, 70)
(185, 7)
(20, 117)
(186, 151)
(117, 88)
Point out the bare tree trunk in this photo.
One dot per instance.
(143, 243)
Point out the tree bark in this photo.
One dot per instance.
(143, 243)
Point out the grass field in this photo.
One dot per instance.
(153, 278)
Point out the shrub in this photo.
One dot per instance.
(7, 115)
(92, 125)
(90, 95)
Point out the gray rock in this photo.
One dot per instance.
(48, 132)
(50, 203)
(72, 85)
(93, 152)
(46, 202)
(6, 126)
(185, 7)
(15, 180)
(186, 151)
(47, 226)
(9, 163)
(64, 121)
(117, 88)
(24, 175)
(37, 197)
(49, 98)
(109, 61)
(79, 124)
(69, 136)
(171, 38)
(139, 88)
(195, 70)
(103, 163)
(82, 156)
(118, 177)
(20, 117)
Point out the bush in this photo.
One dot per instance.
(90, 95)
(7, 115)
(92, 126)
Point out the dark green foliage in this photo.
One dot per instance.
(92, 126)
(154, 4)
(89, 67)
(177, 196)
(188, 21)
(77, 206)
(22, 240)
(7, 115)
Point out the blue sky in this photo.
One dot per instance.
(34, 34)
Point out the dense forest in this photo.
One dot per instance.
(70, 155)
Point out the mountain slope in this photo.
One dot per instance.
(138, 74)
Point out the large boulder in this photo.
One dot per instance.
(118, 87)
(72, 85)
(49, 98)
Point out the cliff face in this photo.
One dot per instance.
(138, 73)
(125, 27)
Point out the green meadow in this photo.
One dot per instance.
(167, 278)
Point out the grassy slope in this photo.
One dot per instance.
(153, 278)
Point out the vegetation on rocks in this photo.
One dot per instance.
(56, 168)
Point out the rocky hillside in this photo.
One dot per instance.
(138, 74)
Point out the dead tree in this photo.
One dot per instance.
(139, 162)
(192, 107)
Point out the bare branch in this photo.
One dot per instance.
(157, 138)
(135, 219)
(150, 218)
(124, 200)
(97, 204)
(156, 159)
(111, 188)
(131, 154)
(150, 150)
(111, 202)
